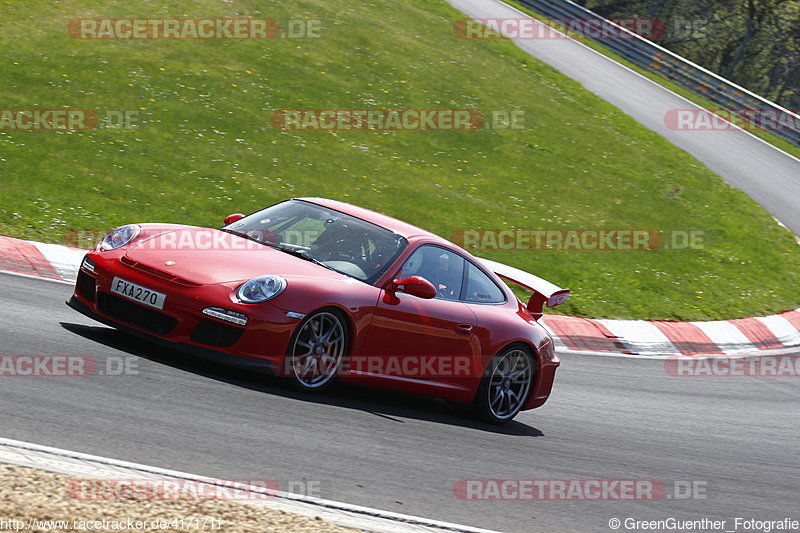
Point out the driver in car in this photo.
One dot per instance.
(445, 278)
(331, 243)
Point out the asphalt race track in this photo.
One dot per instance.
(771, 177)
(610, 418)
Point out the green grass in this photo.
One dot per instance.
(209, 149)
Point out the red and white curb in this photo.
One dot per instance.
(342, 514)
(51, 261)
(742, 337)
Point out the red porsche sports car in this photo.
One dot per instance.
(316, 290)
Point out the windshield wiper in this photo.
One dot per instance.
(302, 254)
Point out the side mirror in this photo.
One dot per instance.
(230, 219)
(415, 286)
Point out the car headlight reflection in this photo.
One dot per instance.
(119, 237)
(261, 289)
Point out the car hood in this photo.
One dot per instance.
(209, 256)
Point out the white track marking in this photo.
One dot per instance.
(640, 336)
(727, 337)
(64, 259)
(785, 332)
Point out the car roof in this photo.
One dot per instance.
(399, 227)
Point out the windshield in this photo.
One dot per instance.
(338, 241)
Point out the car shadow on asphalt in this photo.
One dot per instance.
(386, 404)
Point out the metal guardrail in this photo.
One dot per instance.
(724, 93)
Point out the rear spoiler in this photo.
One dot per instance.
(544, 292)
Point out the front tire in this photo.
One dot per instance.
(316, 351)
(506, 385)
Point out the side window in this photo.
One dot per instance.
(444, 269)
(480, 288)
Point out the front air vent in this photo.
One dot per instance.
(216, 334)
(86, 285)
(135, 314)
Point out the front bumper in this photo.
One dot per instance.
(193, 349)
(181, 323)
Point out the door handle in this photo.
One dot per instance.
(464, 329)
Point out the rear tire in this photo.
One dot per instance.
(317, 350)
(506, 385)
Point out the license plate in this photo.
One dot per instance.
(137, 293)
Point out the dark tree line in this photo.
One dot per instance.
(754, 43)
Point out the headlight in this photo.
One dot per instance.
(119, 237)
(261, 289)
